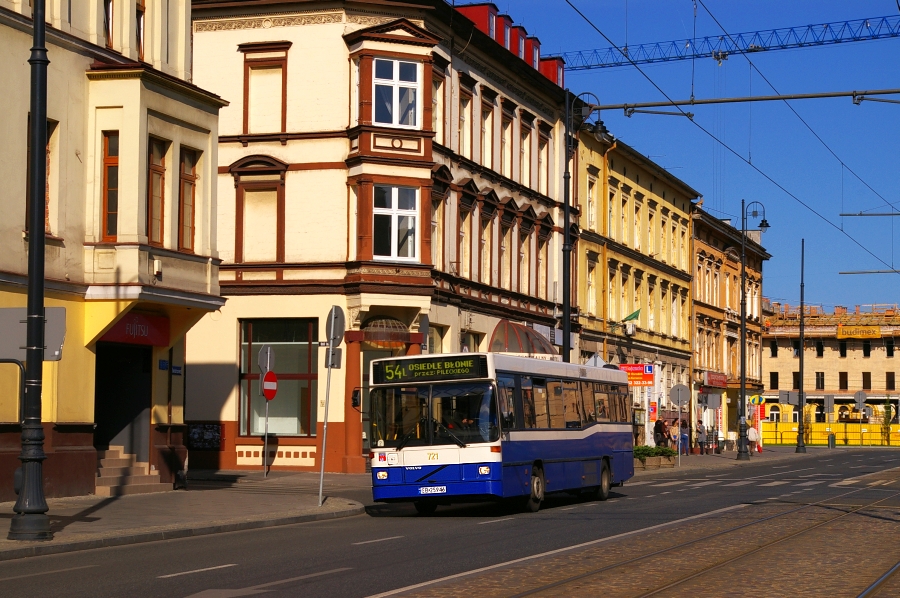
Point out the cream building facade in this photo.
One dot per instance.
(717, 318)
(129, 229)
(397, 161)
(633, 259)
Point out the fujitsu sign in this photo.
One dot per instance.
(139, 329)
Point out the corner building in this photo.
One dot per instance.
(396, 160)
(129, 230)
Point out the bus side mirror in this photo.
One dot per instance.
(355, 398)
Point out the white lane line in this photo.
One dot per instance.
(670, 484)
(378, 540)
(495, 521)
(859, 466)
(552, 552)
(699, 484)
(813, 483)
(47, 572)
(640, 483)
(780, 473)
(567, 509)
(661, 493)
(196, 571)
(741, 483)
(780, 466)
(773, 484)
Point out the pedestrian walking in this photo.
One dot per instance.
(752, 437)
(701, 436)
(685, 438)
(659, 434)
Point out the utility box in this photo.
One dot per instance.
(831, 441)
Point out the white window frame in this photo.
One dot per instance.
(396, 84)
(395, 213)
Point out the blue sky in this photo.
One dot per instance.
(866, 137)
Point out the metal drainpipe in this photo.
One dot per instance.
(605, 268)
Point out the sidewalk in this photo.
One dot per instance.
(728, 459)
(219, 502)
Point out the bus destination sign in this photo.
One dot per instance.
(429, 369)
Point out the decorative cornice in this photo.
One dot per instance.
(267, 22)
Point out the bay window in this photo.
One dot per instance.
(395, 219)
(156, 177)
(396, 93)
(186, 199)
(110, 223)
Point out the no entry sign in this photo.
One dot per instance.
(270, 385)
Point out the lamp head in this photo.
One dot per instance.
(764, 225)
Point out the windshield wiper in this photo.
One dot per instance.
(455, 438)
(408, 436)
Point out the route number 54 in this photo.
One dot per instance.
(393, 372)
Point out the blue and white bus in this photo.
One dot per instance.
(484, 426)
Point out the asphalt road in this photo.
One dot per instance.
(393, 547)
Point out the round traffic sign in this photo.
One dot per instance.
(270, 385)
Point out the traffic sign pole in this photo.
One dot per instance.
(266, 360)
(677, 391)
(335, 325)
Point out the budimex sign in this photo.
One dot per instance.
(858, 331)
(429, 368)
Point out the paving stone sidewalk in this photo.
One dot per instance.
(221, 502)
(728, 459)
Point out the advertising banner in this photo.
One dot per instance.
(651, 413)
(639, 374)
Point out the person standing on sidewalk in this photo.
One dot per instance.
(659, 433)
(701, 436)
(685, 438)
(752, 436)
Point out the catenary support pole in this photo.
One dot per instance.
(31, 521)
(743, 454)
(567, 241)
(801, 443)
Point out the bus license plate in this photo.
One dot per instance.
(433, 490)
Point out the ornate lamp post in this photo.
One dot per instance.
(743, 454)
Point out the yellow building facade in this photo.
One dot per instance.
(633, 264)
(129, 232)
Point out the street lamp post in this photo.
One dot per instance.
(743, 454)
(586, 110)
(30, 521)
(801, 444)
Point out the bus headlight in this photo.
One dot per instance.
(381, 475)
(484, 470)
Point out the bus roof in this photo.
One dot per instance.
(517, 364)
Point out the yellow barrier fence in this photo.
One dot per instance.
(846, 434)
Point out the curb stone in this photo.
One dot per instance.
(41, 548)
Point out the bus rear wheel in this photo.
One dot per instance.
(601, 492)
(425, 508)
(533, 504)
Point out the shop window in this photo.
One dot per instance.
(820, 349)
(110, 223)
(394, 228)
(187, 195)
(820, 380)
(265, 86)
(396, 93)
(843, 384)
(156, 182)
(867, 348)
(295, 344)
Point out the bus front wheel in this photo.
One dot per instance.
(533, 504)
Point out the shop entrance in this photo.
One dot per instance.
(123, 398)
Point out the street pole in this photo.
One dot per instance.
(567, 243)
(31, 521)
(801, 446)
(743, 454)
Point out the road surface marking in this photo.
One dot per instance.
(741, 483)
(378, 540)
(196, 571)
(47, 572)
(697, 485)
(780, 473)
(670, 484)
(557, 551)
(812, 483)
(495, 521)
(773, 484)
(780, 466)
(640, 483)
(567, 509)
(248, 591)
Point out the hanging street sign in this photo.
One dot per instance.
(270, 385)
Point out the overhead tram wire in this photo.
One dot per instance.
(728, 147)
(797, 114)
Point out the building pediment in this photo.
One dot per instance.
(400, 31)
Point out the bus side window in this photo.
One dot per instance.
(626, 404)
(587, 398)
(528, 403)
(614, 403)
(542, 419)
(572, 409)
(555, 407)
(601, 402)
(506, 385)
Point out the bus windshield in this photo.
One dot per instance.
(459, 413)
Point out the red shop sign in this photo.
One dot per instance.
(139, 329)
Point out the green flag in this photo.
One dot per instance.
(632, 316)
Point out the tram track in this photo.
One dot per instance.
(702, 540)
(879, 584)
